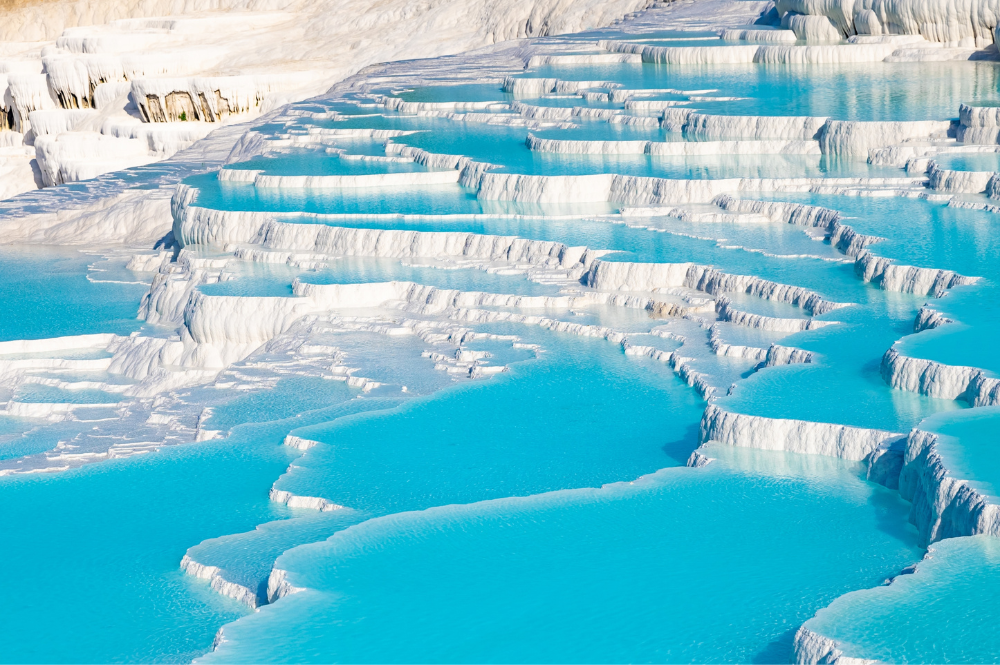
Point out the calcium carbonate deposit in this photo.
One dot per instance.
(499, 331)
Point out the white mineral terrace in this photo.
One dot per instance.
(281, 182)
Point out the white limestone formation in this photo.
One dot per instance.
(587, 147)
(866, 22)
(753, 147)
(412, 179)
(307, 502)
(73, 156)
(26, 93)
(566, 114)
(993, 187)
(150, 114)
(635, 191)
(54, 411)
(928, 318)
(907, 279)
(811, 648)
(786, 355)
(216, 579)
(799, 436)
(841, 236)
(278, 585)
(170, 62)
(915, 158)
(727, 312)
(298, 443)
(968, 24)
(224, 229)
(697, 460)
(57, 121)
(811, 28)
(836, 137)
(538, 87)
(684, 55)
(209, 99)
(584, 59)
(673, 148)
(971, 182)
(754, 127)
(978, 124)
(868, 266)
(54, 344)
(625, 276)
(758, 35)
(942, 506)
(935, 379)
(857, 138)
(721, 348)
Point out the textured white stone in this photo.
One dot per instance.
(216, 579)
(970, 182)
(811, 28)
(942, 506)
(936, 379)
(961, 23)
(907, 279)
(278, 585)
(811, 648)
(307, 502)
(799, 436)
(626, 276)
(684, 55)
(858, 138)
(758, 35)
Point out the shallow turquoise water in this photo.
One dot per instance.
(46, 293)
(939, 614)
(526, 556)
(920, 233)
(505, 147)
(247, 557)
(466, 92)
(862, 91)
(844, 382)
(568, 431)
(970, 162)
(435, 200)
(681, 566)
(98, 548)
(932, 235)
(971, 341)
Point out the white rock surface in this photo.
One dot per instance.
(935, 379)
(798, 436)
(942, 506)
(174, 61)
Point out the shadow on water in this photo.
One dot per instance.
(891, 515)
(680, 449)
(778, 651)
